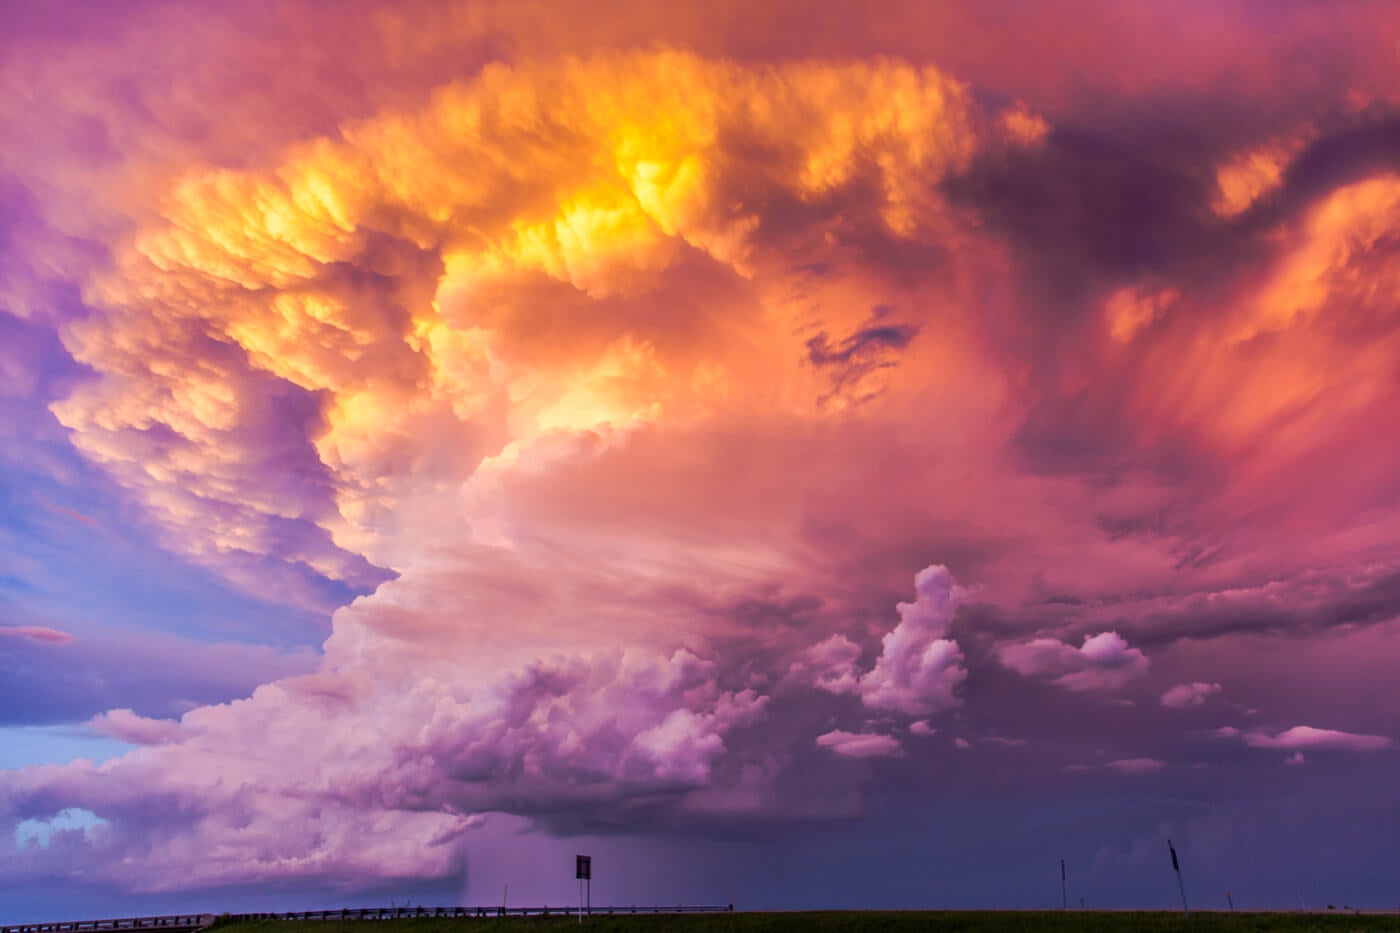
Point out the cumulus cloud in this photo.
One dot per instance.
(919, 669)
(860, 744)
(267, 399)
(1301, 737)
(832, 665)
(1104, 662)
(422, 756)
(126, 726)
(1193, 694)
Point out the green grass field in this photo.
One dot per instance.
(852, 922)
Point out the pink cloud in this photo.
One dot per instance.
(832, 665)
(38, 633)
(1136, 765)
(1302, 737)
(860, 745)
(1193, 694)
(127, 726)
(649, 429)
(1103, 662)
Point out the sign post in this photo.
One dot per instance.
(583, 871)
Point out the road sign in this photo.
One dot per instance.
(583, 867)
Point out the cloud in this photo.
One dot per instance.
(1136, 765)
(832, 665)
(624, 391)
(1295, 759)
(1303, 737)
(1103, 662)
(919, 670)
(860, 744)
(126, 726)
(291, 338)
(541, 740)
(1193, 694)
(39, 633)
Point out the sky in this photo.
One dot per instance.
(800, 455)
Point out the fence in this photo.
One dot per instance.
(403, 913)
(174, 924)
(191, 922)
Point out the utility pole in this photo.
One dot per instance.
(1180, 886)
(1064, 891)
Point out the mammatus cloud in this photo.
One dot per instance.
(1194, 694)
(1103, 662)
(39, 633)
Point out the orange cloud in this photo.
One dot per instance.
(404, 274)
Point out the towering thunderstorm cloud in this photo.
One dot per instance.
(440, 430)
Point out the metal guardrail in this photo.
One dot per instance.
(403, 913)
(184, 923)
(172, 924)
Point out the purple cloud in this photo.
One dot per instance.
(860, 744)
(1104, 662)
(1193, 694)
(1302, 737)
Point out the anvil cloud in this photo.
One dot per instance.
(439, 436)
